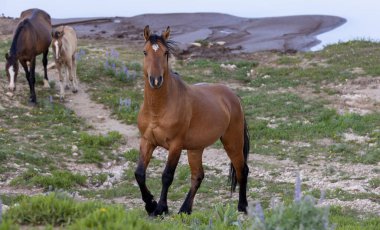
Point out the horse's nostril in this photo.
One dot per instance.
(155, 82)
(160, 78)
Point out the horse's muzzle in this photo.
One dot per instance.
(155, 82)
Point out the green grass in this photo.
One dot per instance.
(94, 147)
(57, 179)
(132, 155)
(350, 220)
(60, 210)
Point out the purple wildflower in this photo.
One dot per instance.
(1, 211)
(322, 197)
(297, 191)
(259, 212)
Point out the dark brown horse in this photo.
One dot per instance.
(178, 116)
(31, 38)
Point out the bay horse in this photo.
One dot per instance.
(177, 116)
(31, 38)
(64, 46)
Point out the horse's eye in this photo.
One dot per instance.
(144, 52)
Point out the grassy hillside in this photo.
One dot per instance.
(306, 108)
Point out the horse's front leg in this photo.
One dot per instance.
(45, 62)
(61, 82)
(30, 76)
(146, 150)
(167, 179)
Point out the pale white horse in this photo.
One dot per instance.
(64, 46)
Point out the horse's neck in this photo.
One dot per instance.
(19, 37)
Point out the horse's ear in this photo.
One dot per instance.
(166, 34)
(146, 32)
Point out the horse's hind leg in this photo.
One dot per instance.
(45, 62)
(146, 150)
(197, 175)
(234, 148)
(74, 78)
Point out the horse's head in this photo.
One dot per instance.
(57, 43)
(157, 50)
(11, 67)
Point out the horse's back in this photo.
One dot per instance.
(39, 28)
(214, 94)
(30, 13)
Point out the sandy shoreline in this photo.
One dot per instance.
(285, 34)
(291, 33)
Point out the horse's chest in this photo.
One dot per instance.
(159, 135)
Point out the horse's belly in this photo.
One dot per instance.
(201, 137)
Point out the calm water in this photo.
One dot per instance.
(362, 15)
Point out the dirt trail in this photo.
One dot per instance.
(99, 117)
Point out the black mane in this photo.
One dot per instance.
(19, 28)
(169, 44)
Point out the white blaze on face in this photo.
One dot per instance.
(11, 77)
(155, 47)
(56, 50)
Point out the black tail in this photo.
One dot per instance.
(246, 147)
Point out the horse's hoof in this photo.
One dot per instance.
(32, 100)
(32, 103)
(75, 91)
(242, 208)
(160, 210)
(46, 84)
(150, 208)
(183, 211)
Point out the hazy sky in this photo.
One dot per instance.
(362, 15)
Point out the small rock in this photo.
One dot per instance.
(4, 208)
(108, 165)
(221, 43)
(102, 118)
(197, 44)
(9, 94)
(107, 184)
(74, 148)
(266, 76)
(75, 154)
(228, 66)
(14, 117)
